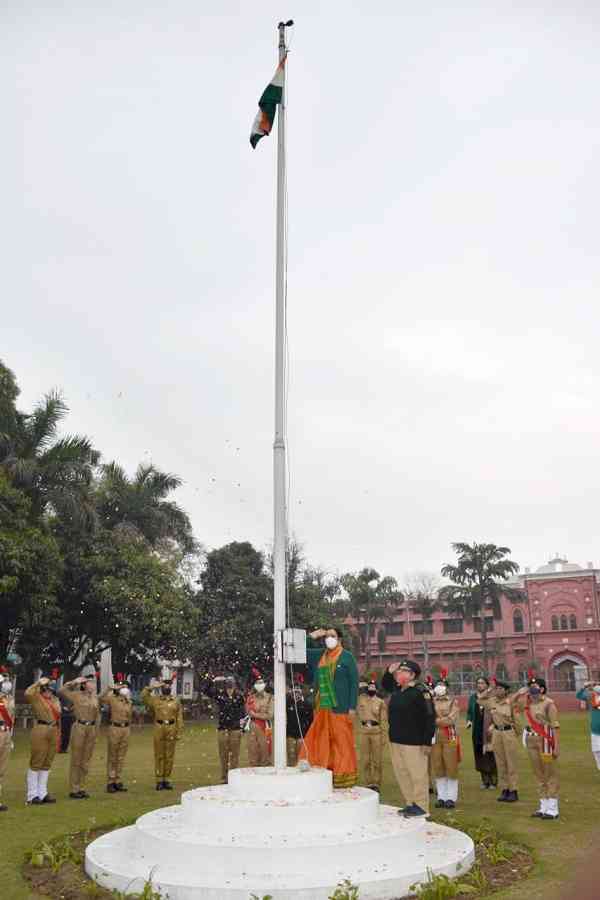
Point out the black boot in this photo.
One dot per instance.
(503, 798)
(120, 786)
(160, 785)
(512, 797)
(167, 786)
(111, 788)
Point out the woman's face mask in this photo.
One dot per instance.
(534, 692)
(125, 692)
(259, 687)
(331, 642)
(6, 687)
(166, 690)
(440, 690)
(371, 692)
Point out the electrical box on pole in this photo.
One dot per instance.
(291, 646)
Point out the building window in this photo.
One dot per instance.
(392, 628)
(518, 621)
(489, 624)
(425, 627)
(453, 626)
(564, 625)
(555, 623)
(572, 622)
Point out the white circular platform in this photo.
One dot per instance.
(287, 834)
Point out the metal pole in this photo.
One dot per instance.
(279, 461)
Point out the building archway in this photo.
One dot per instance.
(562, 671)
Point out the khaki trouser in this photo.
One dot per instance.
(371, 755)
(444, 759)
(258, 749)
(165, 738)
(410, 768)
(116, 751)
(83, 741)
(5, 741)
(44, 744)
(506, 750)
(293, 747)
(229, 750)
(545, 770)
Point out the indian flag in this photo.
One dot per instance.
(267, 106)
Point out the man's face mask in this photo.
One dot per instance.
(259, 687)
(404, 677)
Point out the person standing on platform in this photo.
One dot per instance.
(259, 708)
(501, 705)
(412, 727)
(541, 740)
(479, 720)
(81, 693)
(372, 728)
(7, 724)
(167, 712)
(45, 740)
(118, 700)
(232, 710)
(590, 694)
(298, 720)
(446, 751)
(329, 742)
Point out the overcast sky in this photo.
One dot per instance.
(444, 190)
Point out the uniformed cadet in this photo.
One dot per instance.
(232, 710)
(81, 693)
(299, 713)
(167, 713)
(118, 700)
(259, 707)
(411, 728)
(541, 740)
(7, 723)
(45, 738)
(504, 739)
(372, 730)
(445, 753)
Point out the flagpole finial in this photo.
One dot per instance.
(287, 24)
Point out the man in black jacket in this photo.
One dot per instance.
(231, 706)
(411, 718)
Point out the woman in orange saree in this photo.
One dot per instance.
(329, 742)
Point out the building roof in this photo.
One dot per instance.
(558, 564)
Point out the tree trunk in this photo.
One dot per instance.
(425, 655)
(484, 649)
(368, 644)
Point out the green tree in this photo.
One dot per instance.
(478, 583)
(371, 598)
(421, 596)
(141, 505)
(30, 570)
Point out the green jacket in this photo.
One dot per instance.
(345, 680)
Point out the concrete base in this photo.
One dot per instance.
(287, 834)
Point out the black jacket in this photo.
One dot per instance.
(231, 709)
(305, 714)
(411, 713)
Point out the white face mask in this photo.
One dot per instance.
(331, 642)
(6, 687)
(259, 687)
(125, 692)
(596, 688)
(440, 690)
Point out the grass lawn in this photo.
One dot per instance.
(561, 847)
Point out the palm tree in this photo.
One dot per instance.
(421, 595)
(478, 584)
(56, 473)
(140, 505)
(371, 598)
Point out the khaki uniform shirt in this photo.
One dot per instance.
(501, 711)
(263, 706)
(370, 710)
(446, 714)
(164, 709)
(43, 704)
(120, 707)
(8, 703)
(85, 705)
(544, 712)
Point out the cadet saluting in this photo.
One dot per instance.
(45, 737)
(81, 693)
(372, 718)
(412, 726)
(7, 721)
(118, 700)
(168, 726)
(504, 741)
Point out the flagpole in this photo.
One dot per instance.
(279, 451)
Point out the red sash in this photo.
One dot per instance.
(6, 716)
(546, 734)
(453, 738)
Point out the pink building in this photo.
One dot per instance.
(556, 629)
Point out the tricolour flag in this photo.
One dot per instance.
(267, 106)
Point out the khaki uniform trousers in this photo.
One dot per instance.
(5, 741)
(444, 759)
(165, 738)
(371, 756)
(258, 749)
(410, 768)
(506, 752)
(116, 751)
(545, 771)
(229, 742)
(82, 743)
(44, 744)
(293, 747)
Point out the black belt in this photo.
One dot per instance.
(370, 722)
(165, 721)
(503, 727)
(81, 722)
(50, 724)
(120, 724)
